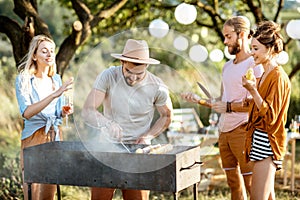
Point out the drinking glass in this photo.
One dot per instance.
(68, 103)
(213, 119)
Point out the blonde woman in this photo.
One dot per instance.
(39, 90)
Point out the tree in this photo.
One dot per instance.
(123, 14)
(216, 10)
(27, 10)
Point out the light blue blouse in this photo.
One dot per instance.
(49, 116)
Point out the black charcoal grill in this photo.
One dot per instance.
(70, 163)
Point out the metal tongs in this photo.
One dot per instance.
(121, 142)
(108, 138)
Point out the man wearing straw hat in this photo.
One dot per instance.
(129, 94)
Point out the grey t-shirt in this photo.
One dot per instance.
(132, 107)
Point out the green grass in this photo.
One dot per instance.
(218, 193)
(218, 190)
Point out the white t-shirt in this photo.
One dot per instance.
(233, 91)
(132, 107)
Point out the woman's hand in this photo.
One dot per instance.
(67, 110)
(250, 85)
(65, 87)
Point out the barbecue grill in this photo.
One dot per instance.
(71, 163)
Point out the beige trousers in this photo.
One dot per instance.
(38, 191)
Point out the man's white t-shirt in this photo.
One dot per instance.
(132, 107)
(233, 91)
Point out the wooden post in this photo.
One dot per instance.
(293, 164)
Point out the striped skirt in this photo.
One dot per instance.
(261, 148)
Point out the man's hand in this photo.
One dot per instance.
(193, 98)
(219, 106)
(190, 97)
(112, 131)
(141, 140)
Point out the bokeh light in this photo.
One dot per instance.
(292, 29)
(158, 28)
(216, 55)
(198, 53)
(227, 54)
(282, 58)
(181, 43)
(185, 13)
(204, 32)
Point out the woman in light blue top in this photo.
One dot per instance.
(39, 93)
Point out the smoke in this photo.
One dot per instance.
(172, 70)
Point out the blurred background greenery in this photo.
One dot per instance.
(113, 18)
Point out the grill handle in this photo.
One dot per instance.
(192, 166)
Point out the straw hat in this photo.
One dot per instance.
(136, 51)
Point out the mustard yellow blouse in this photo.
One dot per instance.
(271, 117)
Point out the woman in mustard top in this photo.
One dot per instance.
(266, 138)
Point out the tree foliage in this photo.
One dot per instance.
(76, 24)
(93, 20)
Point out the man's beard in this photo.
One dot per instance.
(129, 82)
(234, 49)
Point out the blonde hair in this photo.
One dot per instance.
(239, 24)
(28, 66)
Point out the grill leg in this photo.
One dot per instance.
(195, 190)
(29, 191)
(175, 194)
(58, 192)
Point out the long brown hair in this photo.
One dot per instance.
(268, 34)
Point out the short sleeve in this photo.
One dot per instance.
(163, 96)
(258, 71)
(102, 81)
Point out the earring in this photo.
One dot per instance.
(34, 59)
